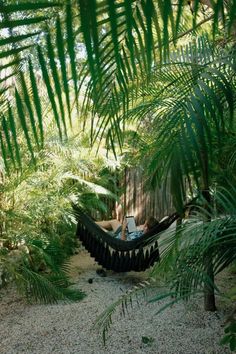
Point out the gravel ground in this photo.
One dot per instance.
(68, 328)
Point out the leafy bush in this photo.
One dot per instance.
(37, 228)
(230, 335)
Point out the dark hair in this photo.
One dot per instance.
(151, 222)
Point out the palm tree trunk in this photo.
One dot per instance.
(1, 205)
(209, 294)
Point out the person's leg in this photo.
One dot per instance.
(110, 225)
(115, 224)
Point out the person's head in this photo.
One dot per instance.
(150, 223)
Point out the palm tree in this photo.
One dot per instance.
(121, 38)
(191, 111)
(38, 228)
(190, 104)
(182, 267)
(124, 41)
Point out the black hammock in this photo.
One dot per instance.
(120, 255)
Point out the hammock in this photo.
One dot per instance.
(120, 255)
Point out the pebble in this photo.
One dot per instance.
(69, 328)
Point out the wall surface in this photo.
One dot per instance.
(142, 202)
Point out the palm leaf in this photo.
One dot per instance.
(16, 39)
(36, 101)
(121, 39)
(14, 136)
(7, 53)
(39, 288)
(21, 115)
(49, 89)
(135, 295)
(8, 140)
(27, 6)
(22, 22)
(56, 80)
(62, 59)
(4, 154)
(71, 50)
(27, 99)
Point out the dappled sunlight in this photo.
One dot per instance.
(112, 109)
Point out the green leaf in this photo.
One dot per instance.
(140, 48)
(26, 6)
(22, 22)
(71, 49)
(85, 27)
(166, 12)
(50, 92)
(232, 327)
(114, 34)
(148, 9)
(8, 140)
(232, 343)
(225, 340)
(37, 101)
(147, 340)
(94, 35)
(129, 21)
(27, 100)
(21, 115)
(7, 77)
(56, 80)
(13, 132)
(4, 154)
(15, 39)
(13, 51)
(15, 62)
(218, 8)
(62, 59)
(178, 16)
(232, 15)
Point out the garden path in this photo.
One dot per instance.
(68, 328)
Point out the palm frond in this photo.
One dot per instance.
(126, 301)
(142, 23)
(189, 123)
(182, 253)
(39, 287)
(189, 246)
(122, 40)
(49, 289)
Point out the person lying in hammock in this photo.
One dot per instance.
(120, 230)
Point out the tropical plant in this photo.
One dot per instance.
(187, 109)
(125, 41)
(181, 272)
(39, 270)
(122, 38)
(38, 228)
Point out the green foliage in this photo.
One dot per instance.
(122, 41)
(185, 99)
(230, 336)
(147, 340)
(187, 247)
(181, 267)
(127, 300)
(185, 115)
(39, 272)
(38, 228)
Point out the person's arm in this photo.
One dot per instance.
(140, 227)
